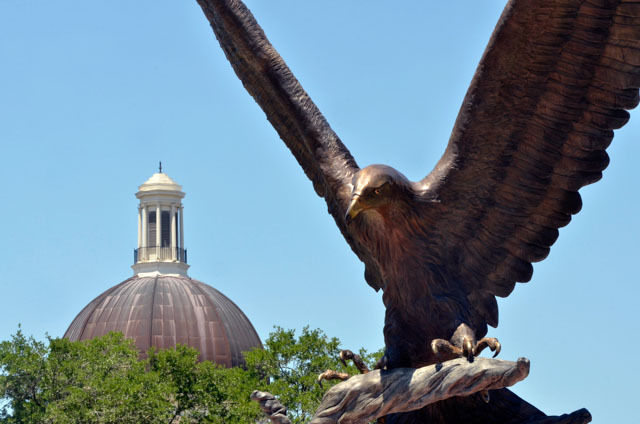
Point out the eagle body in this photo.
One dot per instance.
(556, 79)
(418, 297)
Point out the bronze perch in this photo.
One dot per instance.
(369, 396)
(556, 79)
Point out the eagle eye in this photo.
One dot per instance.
(376, 191)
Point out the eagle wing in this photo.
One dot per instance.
(299, 123)
(556, 78)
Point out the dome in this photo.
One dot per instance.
(160, 181)
(161, 306)
(164, 310)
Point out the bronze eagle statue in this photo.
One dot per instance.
(555, 80)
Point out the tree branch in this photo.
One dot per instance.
(366, 397)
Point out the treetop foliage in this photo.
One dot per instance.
(104, 380)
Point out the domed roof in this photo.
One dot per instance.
(160, 181)
(164, 310)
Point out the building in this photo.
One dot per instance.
(161, 305)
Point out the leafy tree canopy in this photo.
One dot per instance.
(291, 366)
(104, 380)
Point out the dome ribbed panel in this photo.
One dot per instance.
(242, 336)
(182, 314)
(165, 310)
(79, 324)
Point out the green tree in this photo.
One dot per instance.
(23, 363)
(104, 380)
(101, 381)
(288, 368)
(203, 392)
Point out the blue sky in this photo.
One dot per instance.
(93, 94)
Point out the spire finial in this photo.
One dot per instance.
(160, 167)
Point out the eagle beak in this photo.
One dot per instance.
(354, 209)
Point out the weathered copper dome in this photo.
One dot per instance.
(163, 310)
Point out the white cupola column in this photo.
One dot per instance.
(174, 241)
(181, 228)
(160, 256)
(158, 232)
(143, 251)
(139, 227)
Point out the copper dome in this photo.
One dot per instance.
(163, 310)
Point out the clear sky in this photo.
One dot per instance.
(94, 93)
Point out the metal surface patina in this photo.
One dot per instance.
(163, 310)
(555, 80)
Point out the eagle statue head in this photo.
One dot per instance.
(377, 187)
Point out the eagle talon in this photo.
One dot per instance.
(346, 355)
(382, 362)
(463, 345)
(491, 342)
(438, 346)
(331, 375)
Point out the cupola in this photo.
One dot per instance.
(160, 228)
